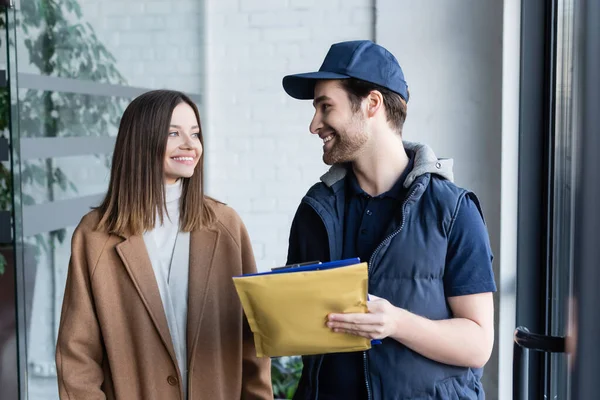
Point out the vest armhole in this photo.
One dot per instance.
(473, 198)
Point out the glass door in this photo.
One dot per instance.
(584, 339)
(547, 191)
(12, 322)
(560, 287)
(71, 67)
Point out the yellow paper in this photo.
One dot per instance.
(287, 312)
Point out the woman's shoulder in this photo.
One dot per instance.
(226, 217)
(90, 243)
(87, 227)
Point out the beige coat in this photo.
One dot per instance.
(114, 340)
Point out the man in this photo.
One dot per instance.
(392, 204)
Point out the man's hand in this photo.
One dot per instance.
(380, 322)
(465, 339)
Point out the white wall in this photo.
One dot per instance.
(511, 73)
(261, 156)
(157, 44)
(451, 54)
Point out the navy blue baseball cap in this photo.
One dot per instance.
(360, 59)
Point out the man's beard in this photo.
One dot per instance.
(346, 146)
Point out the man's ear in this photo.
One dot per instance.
(374, 103)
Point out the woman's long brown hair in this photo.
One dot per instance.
(136, 193)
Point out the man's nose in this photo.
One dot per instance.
(315, 125)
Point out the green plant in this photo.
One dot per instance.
(285, 375)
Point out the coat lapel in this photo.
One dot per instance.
(135, 257)
(203, 244)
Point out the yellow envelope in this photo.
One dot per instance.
(287, 312)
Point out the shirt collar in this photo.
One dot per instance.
(396, 191)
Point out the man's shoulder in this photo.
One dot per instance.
(441, 185)
(443, 191)
(327, 188)
(318, 198)
(448, 195)
(317, 190)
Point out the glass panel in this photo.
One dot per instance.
(79, 63)
(8, 348)
(563, 213)
(56, 114)
(48, 255)
(55, 179)
(12, 336)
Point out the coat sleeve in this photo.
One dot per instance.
(79, 345)
(256, 372)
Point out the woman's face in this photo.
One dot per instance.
(183, 146)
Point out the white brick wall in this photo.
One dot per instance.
(157, 44)
(261, 156)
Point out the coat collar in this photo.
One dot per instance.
(135, 258)
(203, 245)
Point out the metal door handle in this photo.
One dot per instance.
(525, 341)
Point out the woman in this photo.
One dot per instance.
(150, 310)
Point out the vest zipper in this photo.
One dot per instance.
(367, 378)
(318, 369)
(317, 377)
(365, 361)
(390, 237)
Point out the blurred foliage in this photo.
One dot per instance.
(5, 175)
(285, 375)
(58, 44)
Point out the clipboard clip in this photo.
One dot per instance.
(304, 264)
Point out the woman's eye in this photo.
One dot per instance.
(196, 134)
(173, 133)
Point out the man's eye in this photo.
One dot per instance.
(325, 106)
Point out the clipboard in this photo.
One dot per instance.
(287, 307)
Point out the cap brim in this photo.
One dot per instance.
(302, 86)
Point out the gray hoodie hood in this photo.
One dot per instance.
(425, 161)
